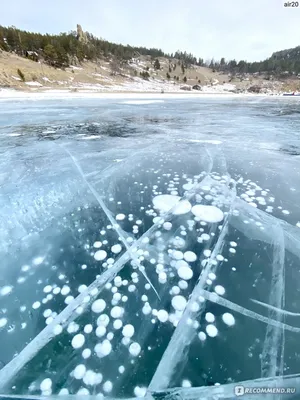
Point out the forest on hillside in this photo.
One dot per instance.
(59, 50)
(66, 48)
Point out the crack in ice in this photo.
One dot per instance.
(69, 314)
(214, 298)
(273, 348)
(112, 220)
(279, 310)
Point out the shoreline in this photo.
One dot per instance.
(12, 94)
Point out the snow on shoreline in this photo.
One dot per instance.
(135, 88)
(11, 94)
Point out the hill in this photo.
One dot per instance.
(139, 74)
(287, 60)
(284, 63)
(79, 60)
(76, 46)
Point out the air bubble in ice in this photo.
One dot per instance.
(134, 349)
(65, 290)
(100, 331)
(100, 255)
(186, 383)
(47, 289)
(46, 385)
(228, 319)
(165, 202)
(183, 284)
(140, 391)
(38, 260)
(103, 349)
(209, 214)
(57, 330)
(117, 312)
(128, 330)
(5, 290)
(117, 324)
(116, 249)
(211, 330)
(86, 353)
(79, 371)
(219, 290)
(190, 256)
(185, 273)
(209, 317)
(78, 341)
(163, 315)
(98, 306)
(183, 207)
(212, 276)
(36, 305)
(167, 226)
(179, 303)
(207, 253)
(107, 386)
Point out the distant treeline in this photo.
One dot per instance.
(286, 62)
(63, 49)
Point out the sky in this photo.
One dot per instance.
(235, 29)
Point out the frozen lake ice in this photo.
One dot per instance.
(149, 248)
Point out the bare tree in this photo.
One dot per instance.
(114, 67)
(131, 70)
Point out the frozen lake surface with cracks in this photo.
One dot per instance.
(150, 248)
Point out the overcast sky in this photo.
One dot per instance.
(240, 29)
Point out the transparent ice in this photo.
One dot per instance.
(157, 264)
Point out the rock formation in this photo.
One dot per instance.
(255, 89)
(186, 87)
(81, 36)
(197, 87)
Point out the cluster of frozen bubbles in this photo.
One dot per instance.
(184, 264)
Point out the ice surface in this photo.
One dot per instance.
(152, 261)
(227, 391)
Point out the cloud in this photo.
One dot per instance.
(220, 28)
